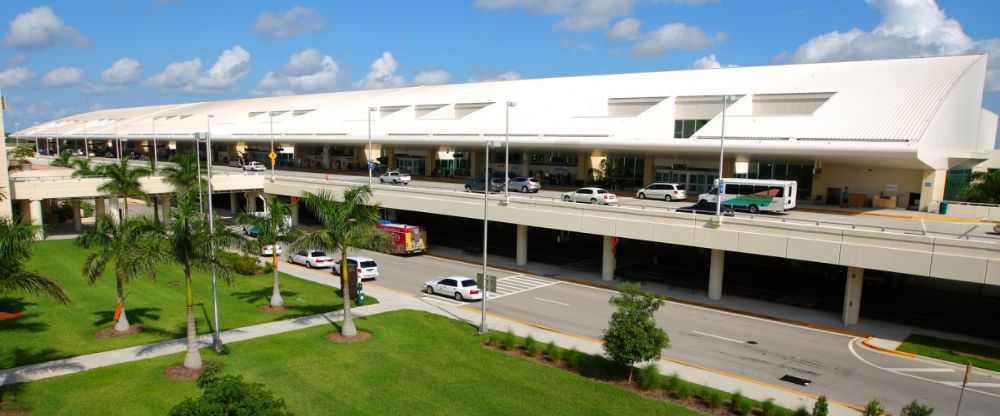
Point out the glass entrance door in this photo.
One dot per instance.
(414, 165)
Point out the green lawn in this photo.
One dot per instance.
(415, 363)
(49, 330)
(955, 351)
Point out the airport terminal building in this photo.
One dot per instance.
(893, 127)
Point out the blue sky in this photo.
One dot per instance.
(64, 57)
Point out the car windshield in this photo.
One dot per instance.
(368, 263)
(468, 283)
(319, 254)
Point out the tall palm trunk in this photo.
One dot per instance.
(276, 300)
(122, 324)
(125, 213)
(192, 359)
(348, 330)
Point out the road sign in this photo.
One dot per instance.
(491, 282)
(371, 165)
(273, 156)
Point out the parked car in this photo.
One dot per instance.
(254, 166)
(525, 184)
(477, 185)
(311, 258)
(705, 207)
(461, 288)
(251, 230)
(664, 191)
(366, 267)
(394, 176)
(590, 195)
(269, 250)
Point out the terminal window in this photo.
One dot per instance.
(684, 129)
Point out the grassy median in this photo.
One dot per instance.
(959, 352)
(47, 330)
(415, 363)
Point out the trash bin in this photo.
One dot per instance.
(943, 208)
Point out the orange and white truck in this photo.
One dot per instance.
(406, 239)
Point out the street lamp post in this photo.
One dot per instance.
(118, 142)
(207, 138)
(506, 157)
(36, 137)
(486, 230)
(371, 163)
(17, 126)
(155, 155)
(270, 117)
(722, 149)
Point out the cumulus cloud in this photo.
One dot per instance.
(625, 29)
(232, 64)
(578, 15)
(123, 71)
(674, 36)
(16, 76)
(908, 28)
(291, 22)
(709, 62)
(306, 71)
(40, 28)
(486, 75)
(382, 74)
(432, 77)
(66, 75)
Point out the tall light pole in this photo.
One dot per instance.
(17, 126)
(270, 115)
(722, 149)
(371, 163)
(86, 141)
(118, 142)
(155, 154)
(506, 157)
(486, 230)
(36, 137)
(207, 138)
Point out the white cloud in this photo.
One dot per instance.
(710, 62)
(306, 71)
(16, 76)
(579, 15)
(382, 74)
(432, 77)
(490, 76)
(123, 71)
(294, 21)
(674, 36)
(40, 28)
(65, 75)
(908, 28)
(17, 60)
(625, 29)
(232, 64)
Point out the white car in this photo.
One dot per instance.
(254, 166)
(366, 267)
(590, 196)
(458, 287)
(270, 250)
(311, 258)
(664, 191)
(394, 176)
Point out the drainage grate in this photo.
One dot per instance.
(752, 342)
(795, 380)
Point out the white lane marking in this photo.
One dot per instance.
(971, 384)
(850, 347)
(552, 301)
(716, 336)
(922, 370)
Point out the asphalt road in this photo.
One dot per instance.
(836, 364)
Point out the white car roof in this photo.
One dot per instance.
(357, 258)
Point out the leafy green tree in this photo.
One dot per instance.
(62, 160)
(132, 247)
(632, 335)
(83, 167)
(230, 395)
(123, 181)
(272, 230)
(984, 188)
(16, 241)
(917, 409)
(821, 408)
(344, 225)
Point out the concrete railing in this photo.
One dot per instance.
(973, 210)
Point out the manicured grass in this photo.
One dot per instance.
(415, 363)
(50, 331)
(955, 351)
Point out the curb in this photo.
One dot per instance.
(868, 343)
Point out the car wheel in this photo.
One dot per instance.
(703, 201)
(429, 290)
(467, 189)
(309, 264)
(642, 195)
(565, 199)
(593, 202)
(458, 296)
(754, 209)
(524, 189)
(668, 198)
(381, 180)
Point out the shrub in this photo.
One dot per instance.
(554, 352)
(736, 397)
(649, 377)
(802, 411)
(246, 265)
(714, 400)
(531, 347)
(673, 382)
(743, 407)
(874, 408)
(917, 409)
(575, 359)
(492, 338)
(767, 408)
(229, 395)
(88, 208)
(508, 341)
(683, 391)
(268, 268)
(821, 408)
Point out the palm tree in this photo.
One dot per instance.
(135, 247)
(984, 188)
(345, 225)
(123, 181)
(18, 157)
(193, 247)
(83, 167)
(183, 174)
(273, 228)
(16, 241)
(62, 160)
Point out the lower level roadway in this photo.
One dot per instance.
(835, 364)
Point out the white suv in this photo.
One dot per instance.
(366, 267)
(664, 191)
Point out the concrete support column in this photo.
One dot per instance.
(77, 224)
(522, 244)
(852, 295)
(295, 213)
(165, 209)
(99, 206)
(326, 156)
(114, 205)
(715, 274)
(35, 209)
(251, 202)
(607, 260)
(234, 203)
